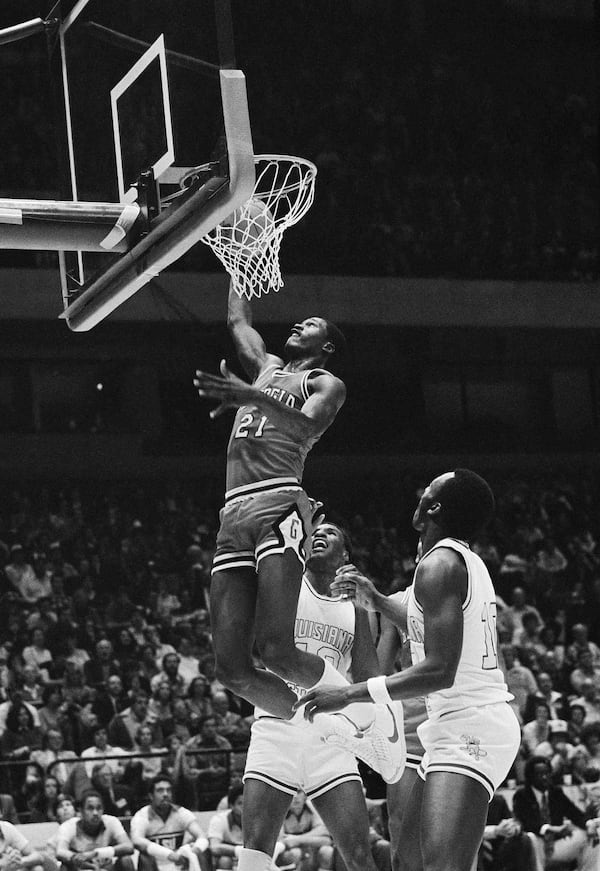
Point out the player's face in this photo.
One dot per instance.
(307, 338)
(428, 499)
(92, 811)
(328, 545)
(162, 794)
(541, 776)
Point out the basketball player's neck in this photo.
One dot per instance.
(302, 364)
(320, 578)
(430, 537)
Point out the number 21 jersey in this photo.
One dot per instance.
(259, 453)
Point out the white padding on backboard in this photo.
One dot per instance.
(126, 220)
(11, 216)
(156, 50)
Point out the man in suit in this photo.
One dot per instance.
(110, 701)
(545, 810)
(98, 669)
(505, 847)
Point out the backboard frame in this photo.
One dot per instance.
(193, 215)
(148, 234)
(155, 52)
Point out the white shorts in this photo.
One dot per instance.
(481, 743)
(290, 757)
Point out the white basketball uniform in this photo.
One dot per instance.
(471, 729)
(289, 754)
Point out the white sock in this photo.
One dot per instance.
(253, 860)
(360, 713)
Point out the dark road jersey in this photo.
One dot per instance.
(259, 453)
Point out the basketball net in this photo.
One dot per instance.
(248, 242)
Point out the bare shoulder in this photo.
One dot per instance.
(440, 572)
(322, 381)
(441, 558)
(272, 360)
(268, 362)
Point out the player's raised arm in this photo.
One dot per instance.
(328, 394)
(440, 589)
(365, 663)
(352, 584)
(309, 422)
(388, 646)
(249, 343)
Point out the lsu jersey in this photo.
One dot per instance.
(324, 626)
(479, 679)
(169, 833)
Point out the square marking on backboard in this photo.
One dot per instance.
(156, 52)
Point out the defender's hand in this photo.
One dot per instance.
(231, 390)
(352, 584)
(324, 700)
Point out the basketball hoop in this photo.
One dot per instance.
(248, 242)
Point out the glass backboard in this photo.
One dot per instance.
(141, 90)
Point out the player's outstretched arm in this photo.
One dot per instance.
(440, 588)
(249, 343)
(365, 663)
(352, 584)
(317, 413)
(388, 646)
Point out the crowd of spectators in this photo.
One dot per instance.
(107, 674)
(465, 147)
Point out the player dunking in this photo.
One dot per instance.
(266, 521)
(471, 735)
(266, 526)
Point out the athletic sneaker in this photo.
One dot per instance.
(381, 745)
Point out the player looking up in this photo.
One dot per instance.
(266, 526)
(267, 519)
(472, 735)
(284, 757)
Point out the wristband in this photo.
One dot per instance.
(378, 690)
(237, 850)
(105, 852)
(201, 844)
(157, 851)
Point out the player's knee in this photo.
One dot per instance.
(358, 855)
(291, 856)
(381, 852)
(232, 676)
(325, 857)
(146, 863)
(279, 657)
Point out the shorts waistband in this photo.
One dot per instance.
(270, 485)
